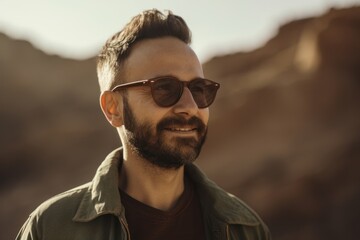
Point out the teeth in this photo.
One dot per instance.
(181, 129)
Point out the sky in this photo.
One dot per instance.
(78, 28)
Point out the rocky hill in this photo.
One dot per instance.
(287, 127)
(53, 135)
(284, 130)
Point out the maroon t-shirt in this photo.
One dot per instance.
(184, 221)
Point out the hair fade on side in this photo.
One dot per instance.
(147, 25)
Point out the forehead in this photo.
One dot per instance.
(160, 57)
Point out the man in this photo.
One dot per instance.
(154, 93)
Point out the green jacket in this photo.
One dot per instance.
(94, 211)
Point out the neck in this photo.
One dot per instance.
(154, 186)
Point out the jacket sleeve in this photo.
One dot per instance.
(29, 230)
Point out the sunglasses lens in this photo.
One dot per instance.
(166, 91)
(203, 92)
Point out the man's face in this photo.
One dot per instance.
(153, 145)
(167, 137)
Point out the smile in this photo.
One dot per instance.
(184, 130)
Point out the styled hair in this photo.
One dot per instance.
(147, 25)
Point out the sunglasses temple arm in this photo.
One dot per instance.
(130, 84)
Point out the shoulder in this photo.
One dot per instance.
(241, 220)
(224, 207)
(56, 211)
(223, 204)
(65, 202)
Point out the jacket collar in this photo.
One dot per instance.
(225, 206)
(102, 195)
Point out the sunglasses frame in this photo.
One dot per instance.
(151, 81)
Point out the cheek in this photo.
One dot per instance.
(143, 106)
(150, 114)
(140, 98)
(204, 115)
(147, 106)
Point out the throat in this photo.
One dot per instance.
(155, 187)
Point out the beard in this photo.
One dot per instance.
(152, 145)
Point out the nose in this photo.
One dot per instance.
(186, 104)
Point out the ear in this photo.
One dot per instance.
(112, 107)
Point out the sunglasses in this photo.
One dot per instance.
(166, 91)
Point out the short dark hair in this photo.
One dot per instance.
(147, 25)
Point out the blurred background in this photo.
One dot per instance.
(284, 132)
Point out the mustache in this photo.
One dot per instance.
(193, 121)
